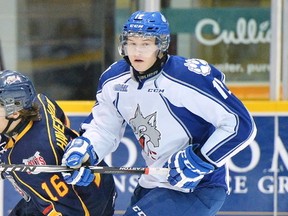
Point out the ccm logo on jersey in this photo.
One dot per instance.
(156, 90)
(138, 210)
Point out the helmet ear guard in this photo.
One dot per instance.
(164, 43)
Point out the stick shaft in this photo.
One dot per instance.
(1, 58)
(34, 169)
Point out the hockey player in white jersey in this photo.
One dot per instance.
(179, 109)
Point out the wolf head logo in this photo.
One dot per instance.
(145, 128)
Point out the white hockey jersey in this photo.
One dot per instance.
(186, 103)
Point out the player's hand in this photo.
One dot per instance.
(78, 152)
(81, 177)
(187, 169)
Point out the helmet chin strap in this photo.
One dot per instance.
(15, 130)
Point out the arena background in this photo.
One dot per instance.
(65, 45)
(258, 181)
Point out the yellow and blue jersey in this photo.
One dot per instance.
(42, 143)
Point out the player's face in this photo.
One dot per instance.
(4, 121)
(142, 52)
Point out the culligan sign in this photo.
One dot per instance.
(246, 32)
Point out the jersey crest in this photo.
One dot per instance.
(198, 66)
(36, 159)
(146, 131)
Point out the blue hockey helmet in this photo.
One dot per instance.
(146, 24)
(16, 91)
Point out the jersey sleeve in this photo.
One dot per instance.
(234, 127)
(105, 126)
(59, 113)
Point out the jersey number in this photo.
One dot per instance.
(59, 186)
(221, 88)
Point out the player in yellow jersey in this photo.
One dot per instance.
(35, 131)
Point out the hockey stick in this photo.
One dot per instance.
(96, 169)
(1, 58)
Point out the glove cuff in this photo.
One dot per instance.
(93, 157)
(197, 151)
(193, 157)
